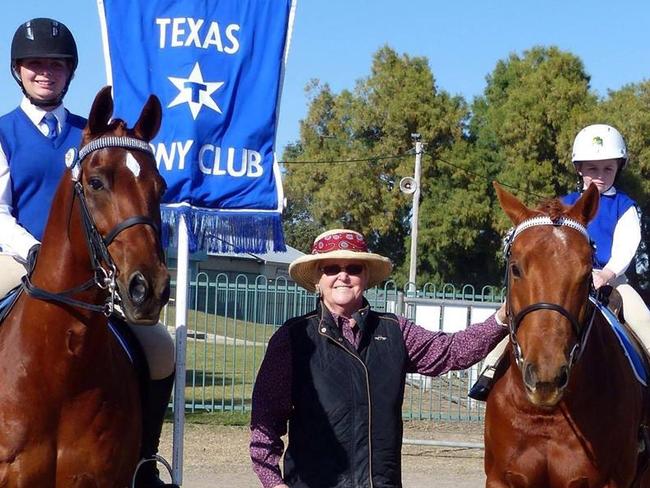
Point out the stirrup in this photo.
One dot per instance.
(154, 459)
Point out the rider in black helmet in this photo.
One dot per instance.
(43, 39)
(34, 138)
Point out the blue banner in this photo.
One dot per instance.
(217, 67)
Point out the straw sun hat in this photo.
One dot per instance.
(338, 244)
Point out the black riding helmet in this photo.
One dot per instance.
(43, 38)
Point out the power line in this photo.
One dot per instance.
(482, 176)
(355, 160)
(434, 158)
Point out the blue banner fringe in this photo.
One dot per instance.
(214, 231)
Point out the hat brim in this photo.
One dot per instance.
(305, 270)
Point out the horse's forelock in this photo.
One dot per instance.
(118, 126)
(553, 207)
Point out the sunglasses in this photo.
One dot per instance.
(334, 269)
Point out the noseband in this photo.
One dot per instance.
(514, 321)
(104, 276)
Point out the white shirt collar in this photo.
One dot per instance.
(35, 114)
(609, 192)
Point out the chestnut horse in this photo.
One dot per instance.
(69, 402)
(567, 411)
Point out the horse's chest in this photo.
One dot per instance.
(91, 437)
(544, 463)
(98, 438)
(106, 422)
(557, 456)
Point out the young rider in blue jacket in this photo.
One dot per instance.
(33, 141)
(599, 155)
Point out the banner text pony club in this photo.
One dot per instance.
(217, 67)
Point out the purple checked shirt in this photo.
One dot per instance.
(429, 353)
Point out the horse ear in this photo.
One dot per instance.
(101, 111)
(148, 124)
(517, 211)
(586, 207)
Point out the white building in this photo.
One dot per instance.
(273, 265)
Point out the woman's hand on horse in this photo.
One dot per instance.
(281, 486)
(501, 315)
(602, 277)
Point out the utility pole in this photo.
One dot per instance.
(415, 211)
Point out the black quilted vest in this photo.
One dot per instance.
(345, 430)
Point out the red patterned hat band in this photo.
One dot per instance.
(340, 241)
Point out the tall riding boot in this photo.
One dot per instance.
(154, 406)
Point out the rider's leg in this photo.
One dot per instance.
(636, 314)
(12, 272)
(158, 347)
(481, 389)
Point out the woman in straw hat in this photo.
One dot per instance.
(336, 375)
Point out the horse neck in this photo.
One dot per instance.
(64, 260)
(601, 361)
(78, 339)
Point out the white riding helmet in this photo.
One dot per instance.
(597, 142)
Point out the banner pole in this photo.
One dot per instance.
(182, 264)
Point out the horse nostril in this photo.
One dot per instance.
(563, 377)
(138, 288)
(530, 377)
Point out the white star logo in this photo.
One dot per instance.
(195, 92)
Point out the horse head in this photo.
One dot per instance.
(122, 189)
(549, 264)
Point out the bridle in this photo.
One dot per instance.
(514, 320)
(104, 269)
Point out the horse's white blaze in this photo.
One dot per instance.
(132, 164)
(560, 234)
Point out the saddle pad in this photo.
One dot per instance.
(632, 354)
(132, 347)
(118, 332)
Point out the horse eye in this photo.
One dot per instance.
(514, 270)
(95, 184)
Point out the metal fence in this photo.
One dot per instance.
(230, 321)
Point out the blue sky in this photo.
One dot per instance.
(333, 40)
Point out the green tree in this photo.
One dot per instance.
(455, 235)
(523, 126)
(628, 109)
(374, 121)
(520, 133)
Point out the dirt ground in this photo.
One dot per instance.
(216, 456)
